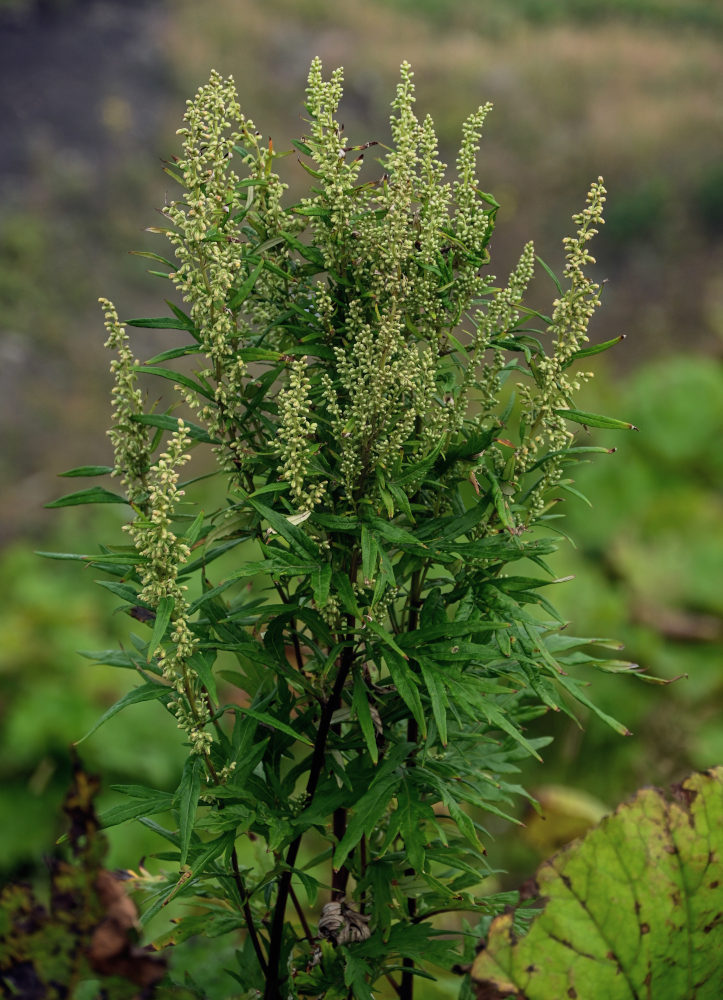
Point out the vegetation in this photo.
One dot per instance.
(394, 435)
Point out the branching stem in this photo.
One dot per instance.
(274, 976)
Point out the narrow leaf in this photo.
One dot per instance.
(201, 664)
(88, 470)
(160, 322)
(188, 795)
(146, 804)
(145, 692)
(367, 812)
(164, 610)
(438, 698)
(320, 581)
(596, 420)
(550, 274)
(269, 720)
(168, 423)
(243, 292)
(406, 685)
(178, 377)
(360, 704)
(94, 494)
(587, 352)
(300, 542)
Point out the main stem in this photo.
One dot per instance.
(275, 977)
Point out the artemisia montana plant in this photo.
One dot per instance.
(348, 649)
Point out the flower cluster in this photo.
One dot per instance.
(494, 323)
(472, 221)
(161, 556)
(130, 438)
(161, 551)
(336, 172)
(296, 432)
(554, 384)
(383, 387)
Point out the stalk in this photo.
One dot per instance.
(275, 977)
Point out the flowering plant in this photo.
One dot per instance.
(350, 659)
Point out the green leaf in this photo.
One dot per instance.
(164, 610)
(299, 541)
(173, 353)
(168, 423)
(550, 274)
(369, 553)
(201, 662)
(187, 797)
(586, 352)
(464, 824)
(406, 684)
(320, 581)
(88, 470)
(575, 688)
(144, 802)
(94, 494)
(310, 253)
(121, 590)
(109, 558)
(145, 692)
(437, 696)
(369, 810)
(633, 910)
(269, 720)
(184, 317)
(335, 522)
(397, 535)
(160, 323)
(177, 377)
(243, 292)
(360, 704)
(412, 815)
(112, 658)
(596, 420)
(258, 354)
(201, 858)
(500, 502)
(356, 975)
(345, 591)
(302, 147)
(153, 256)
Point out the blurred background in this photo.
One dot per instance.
(91, 93)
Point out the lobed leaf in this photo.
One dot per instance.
(635, 909)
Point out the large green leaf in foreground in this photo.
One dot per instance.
(635, 910)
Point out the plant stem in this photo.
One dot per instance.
(340, 877)
(274, 976)
(248, 916)
(301, 915)
(395, 986)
